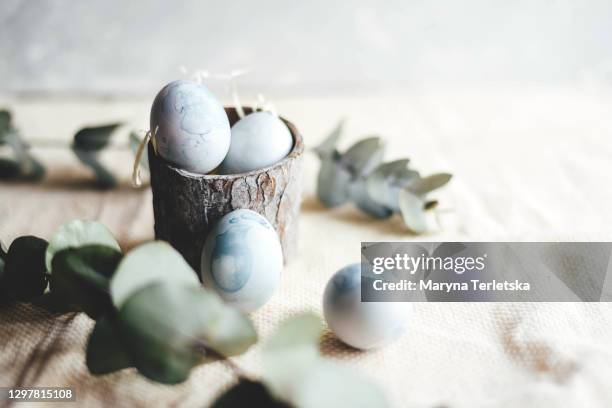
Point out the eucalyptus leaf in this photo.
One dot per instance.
(5, 123)
(22, 165)
(90, 159)
(168, 328)
(248, 393)
(295, 372)
(148, 263)
(363, 156)
(385, 181)
(81, 277)
(424, 185)
(3, 250)
(333, 183)
(393, 168)
(328, 147)
(78, 233)
(135, 140)
(330, 385)
(301, 332)
(24, 276)
(13, 139)
(412, 208)
(53, 303)
(9, 169)
(96, 138)
(362, 200)
(2, 259)
(290, 354)
(32, 169)
(28, 168)
(105, 353)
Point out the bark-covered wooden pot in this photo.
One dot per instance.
(186, 205)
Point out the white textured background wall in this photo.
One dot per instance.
(301, 47)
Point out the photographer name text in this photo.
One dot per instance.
(448, 287)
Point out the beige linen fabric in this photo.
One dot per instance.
(528, 165)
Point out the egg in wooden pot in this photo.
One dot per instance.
(259, 140)
(189, 126)
(362, 325)
(242, 259)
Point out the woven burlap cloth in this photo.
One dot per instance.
(529, 166)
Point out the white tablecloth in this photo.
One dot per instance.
(529, 164)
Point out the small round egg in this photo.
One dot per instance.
(190, 127)
(259, 140)
(242, 260)
(363, 325)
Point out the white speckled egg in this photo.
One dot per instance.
(242, 259)
(259, 140)
(193, 131)
(362, 325)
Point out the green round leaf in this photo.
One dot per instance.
(5, 123)
(2, 258)
(301, 332)
(78, 233)
(248, 393)
(3, 296)
(328, 147)
(333, 183)
(81, 277)
(152, 262)
(32, 169)
(89, 158)
(27, 168)
(168, 328)
(105, 352)
(24, 276)
(94, 138)
(53, 303)
(422, 186)
(9, 169)
(412, 208)
(330, 385)
(290, 353)
(295, 372)
(385, 182)
(362, 200)
(363, 156)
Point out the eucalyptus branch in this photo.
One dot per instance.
(87, 144)
(53, 144)
(380, 189)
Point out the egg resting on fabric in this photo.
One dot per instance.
(242, 259)
(362, 325)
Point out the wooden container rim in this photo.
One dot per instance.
(296, 150)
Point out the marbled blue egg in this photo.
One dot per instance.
(242, 259)
(362, 325)
(191, 128)
(259, 140)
